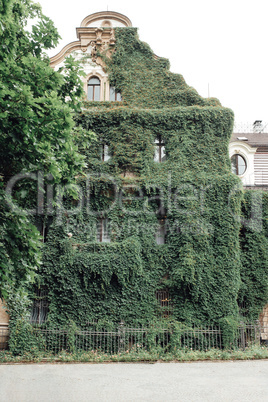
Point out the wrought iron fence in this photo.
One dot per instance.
(123, 338)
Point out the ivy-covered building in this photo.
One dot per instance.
(157, 230)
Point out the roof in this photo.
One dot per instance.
(253, 139)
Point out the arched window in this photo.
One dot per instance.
(239, 164)
(93, 89)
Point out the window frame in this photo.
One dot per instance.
(115, 94)
(159, 150)
(160, 235)
(164, 301)
(236, 165)
(40, 306)
(103, 235)
(104, 151)
(93, 91)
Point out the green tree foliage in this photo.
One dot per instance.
(36, 122)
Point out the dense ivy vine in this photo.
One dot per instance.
(253, 294)
(193, 192)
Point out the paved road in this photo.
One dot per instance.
(203, 381)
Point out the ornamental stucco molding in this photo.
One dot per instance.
(241, 147)
(106, 15)
(100, 39)
(247, 152)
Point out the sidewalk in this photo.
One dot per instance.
(199, 381)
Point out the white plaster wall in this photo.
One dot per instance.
(261, 168)
(114, 23)
(4, 318)
(85, 58)
(90, 68)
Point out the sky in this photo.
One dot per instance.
(220, 47)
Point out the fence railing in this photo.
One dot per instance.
(123, 338)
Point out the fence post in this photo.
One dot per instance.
(257, 331)
(121, 337)
(242, 335)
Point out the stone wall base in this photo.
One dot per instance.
(4, 318)
(264, 323)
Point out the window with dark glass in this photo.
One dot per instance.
(93, 89)
(103, 231)
(115, 95)
(239, 164)
(159, 153)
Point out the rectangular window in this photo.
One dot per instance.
(90, 92)
(159, 154)
(93, 93)
(103, 231)
(114, 95)
(40, 307)
(164, 303)
(96, 93)
(105, 153)
(93, 89)
(161, 231)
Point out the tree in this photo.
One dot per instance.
(36, 123)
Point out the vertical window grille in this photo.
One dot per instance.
(40, 307)
(93, 89)
(164, 302)
(159, 154)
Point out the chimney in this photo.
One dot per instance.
(257, 126)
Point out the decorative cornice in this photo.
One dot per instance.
(101, 39)
(238, 146)
(109, 15)
(71, 47)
